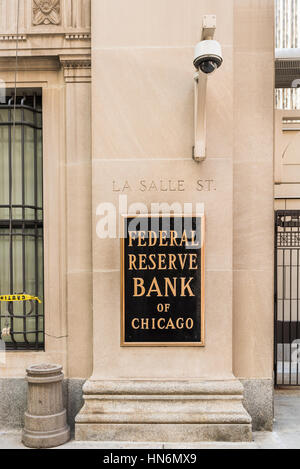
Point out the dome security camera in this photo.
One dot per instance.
(208, 56)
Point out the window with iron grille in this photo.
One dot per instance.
(21, 219)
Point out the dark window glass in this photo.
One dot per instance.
(21, 220)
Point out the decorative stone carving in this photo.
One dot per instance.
(46, 12)
(75, 61)
(13, 37)
(78, 37)
(77, 68)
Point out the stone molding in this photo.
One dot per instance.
(78, 36)
(8, 64)
(169, 387)
(71, 61)
(70, 36)
(77, 68)
(13, 37)
(46, 12)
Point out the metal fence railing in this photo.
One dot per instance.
(287, 298)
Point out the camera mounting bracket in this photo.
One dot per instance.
(209, 27)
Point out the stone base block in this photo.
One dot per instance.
(175, 433)
(169, 411)
(259, 402)
(43, 440)
(46, 431)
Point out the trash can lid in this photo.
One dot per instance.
(44, 369)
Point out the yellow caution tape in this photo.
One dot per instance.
(19, 297)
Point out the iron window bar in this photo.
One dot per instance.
(26, 329)
(287, 298)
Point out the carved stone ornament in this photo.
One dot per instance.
(46, 12)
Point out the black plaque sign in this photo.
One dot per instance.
(162, 276)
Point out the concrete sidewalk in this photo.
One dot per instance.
(286, 433)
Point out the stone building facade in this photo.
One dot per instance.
(54, 54)
(116, 81)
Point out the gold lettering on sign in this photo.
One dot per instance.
(162, 323)
(162, 262)
(162, 239)
(162, 275)
(180, 285)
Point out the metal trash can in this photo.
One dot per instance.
(46, 418)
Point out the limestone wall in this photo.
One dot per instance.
(54, 54)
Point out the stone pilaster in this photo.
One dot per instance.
(77, 75)
(142, 123)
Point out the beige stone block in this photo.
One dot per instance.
(214, 445)
(166, 410)
(114, 362)
(153, 23)
(78, 130)
(254, 25)
(148, 97)
(80, 324)
(165, 432)
(280, 204)
(215, 174)
(220, 109)
(253, 216)
(290, 155)
(293, 204)
(291, 174)
(76, 444)
(286, 191)
(253, 109)
(286, 148)
(253, 323)
(79, 217)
